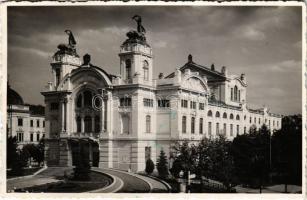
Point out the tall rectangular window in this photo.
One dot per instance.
(231, 130)
(244, 129)
(37, 123)
(201, 122)
(147, 153)
(148, 123)
(31, 123)
(44, 123)
(184, 124)
(209, 128)
(225, 129)
(231, 94)
(31, 137)
(201, 106)
(20, 122)
(193, 125)
(57, 74)
(37, 137)
(193, 105)
(217, 128)
(20, 136)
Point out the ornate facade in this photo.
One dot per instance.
(126, 119)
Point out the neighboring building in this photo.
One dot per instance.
(25, 121)
(140, 115)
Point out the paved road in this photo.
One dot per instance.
(132, 184)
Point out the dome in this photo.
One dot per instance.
(13, 98)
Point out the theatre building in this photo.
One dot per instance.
(127, 118)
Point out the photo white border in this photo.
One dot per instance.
(3, 112)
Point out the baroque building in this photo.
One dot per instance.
(126, 119)
(26, 122)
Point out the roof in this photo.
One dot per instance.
(13, 98)
(203, 70)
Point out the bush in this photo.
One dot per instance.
(176, 168)
(150, 166)
(162, 165)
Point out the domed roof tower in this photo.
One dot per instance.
(13, 98)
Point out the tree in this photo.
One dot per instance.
(15, 159)
(251, 157)
(150, 166)
(176, 168)
(162, 165)
(287, 151)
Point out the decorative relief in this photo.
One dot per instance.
(194, 84)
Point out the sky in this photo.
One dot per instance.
(265, 43)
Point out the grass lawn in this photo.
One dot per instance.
(97, 181)
(27, 171)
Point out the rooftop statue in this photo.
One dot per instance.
(140, 27)
(69, 48)
(139, 35)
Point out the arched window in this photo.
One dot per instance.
(209, 113)
(231, 116)
(97, 124)
(78, 124)
(87, 95)
(184, 124)
(193, 125)
(88, 124)
(148, 123)
(201, 122)
(235, 93)
(231, 94)
(128, 68)
(244, 117)
(237, 117)
(145, 68)
(217, 114)
(79, 101)
(225, 115)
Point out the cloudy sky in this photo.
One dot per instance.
(262, 42)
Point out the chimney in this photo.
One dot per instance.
(224, 71)
(212, 67)
(86, 59)
(190, 58)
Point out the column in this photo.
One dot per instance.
(63, 115)
(82, 123)
(93, 123)
(102, 112)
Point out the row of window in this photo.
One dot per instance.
(20, 137)
(162, 103)
(20, 122)
(217, 114)
(201, 125)
(184, 104)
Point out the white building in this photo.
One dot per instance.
(140, 115)
(25, 121)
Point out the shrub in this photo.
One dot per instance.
(162, 165)
(150, 166)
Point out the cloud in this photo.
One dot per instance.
(251, 33)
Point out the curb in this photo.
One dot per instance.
(169, 188)
(109, 186)
(132, 174)
(28, 176)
